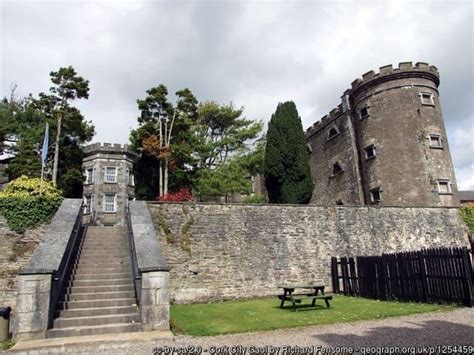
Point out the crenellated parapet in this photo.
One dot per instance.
(404, 69)
(107, 148)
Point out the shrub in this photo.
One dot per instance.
(22, 205)
(254, 199)
(181, 196)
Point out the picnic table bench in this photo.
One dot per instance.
(297, 298)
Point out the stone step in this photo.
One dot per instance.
(72, 291)
(93, 252)
(96, 320)
(94, 330)
(110, 282)
(102, 276)
(103, 264)
(104, 258)
(89, 312)
(105, 244)
(118, 302)
(94, 270)
(97, 296)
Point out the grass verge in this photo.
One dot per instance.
(265, 314)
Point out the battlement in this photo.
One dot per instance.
(387, 70)
(107, 148)
(332, 115)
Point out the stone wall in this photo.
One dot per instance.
(223, 251)
(15, 252)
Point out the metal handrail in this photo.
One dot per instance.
(137, 277)
(67, 262)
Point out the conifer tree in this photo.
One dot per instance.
(286, 168)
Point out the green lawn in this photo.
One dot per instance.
(265, 314)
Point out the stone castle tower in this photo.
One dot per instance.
(385, 143)
(108, 183)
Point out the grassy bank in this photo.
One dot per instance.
(265, 314)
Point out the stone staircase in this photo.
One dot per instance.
(100, 297)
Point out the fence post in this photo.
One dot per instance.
(424, 281)
(334, 275)
(467, 271)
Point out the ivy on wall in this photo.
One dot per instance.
(24, 207)
(467, 214)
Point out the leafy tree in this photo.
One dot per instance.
(286, 169)
(68, 86)
(163, 124)
(22, 124)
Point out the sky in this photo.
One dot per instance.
(252, 53)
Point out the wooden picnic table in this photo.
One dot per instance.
(294, 298)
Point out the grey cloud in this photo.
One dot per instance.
(255, 54)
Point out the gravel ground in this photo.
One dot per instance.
(454, 328)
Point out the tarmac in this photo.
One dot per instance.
(428, 333)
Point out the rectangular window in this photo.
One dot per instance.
(369, 152)
(444, 187)
(332, 133)
(110, 174)
(363, 113)
(435, 141)
(89, 175)
(336, 169)
(109, 203)
(88, 204)
(427, 98)
(131, 178)
(375, 195)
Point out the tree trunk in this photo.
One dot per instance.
(56, 151)
(165, 185)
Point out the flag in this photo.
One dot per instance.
(44, 152)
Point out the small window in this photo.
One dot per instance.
(336, 169)
(88, 204)
(444, 187)
(427, 98)
(339, 203)
(130, 178)
(435, 141)
(89, 175)
(109, 203)
(309, 148)
(110, 174)
(332, 133)
(369, 152)
(375, 195)
(363, 113)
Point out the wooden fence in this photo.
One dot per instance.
(430, 275)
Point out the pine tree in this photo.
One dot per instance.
(286, 168)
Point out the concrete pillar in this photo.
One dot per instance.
(31, 314)
(155, 302)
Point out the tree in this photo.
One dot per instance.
(67, 87)
(161, 125)
(286, 168)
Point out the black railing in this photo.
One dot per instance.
(137, 277)
(60, 276)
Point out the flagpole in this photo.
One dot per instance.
(44, 155)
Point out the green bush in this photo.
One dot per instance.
(467, 214)
(22, 205)
(254, 199)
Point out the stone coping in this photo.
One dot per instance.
(191, 203)
(47, 257)
(147, 246)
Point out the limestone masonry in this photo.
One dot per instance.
(108, 183)
(385, 143)
(230, 251)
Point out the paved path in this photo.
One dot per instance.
(429, 329)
